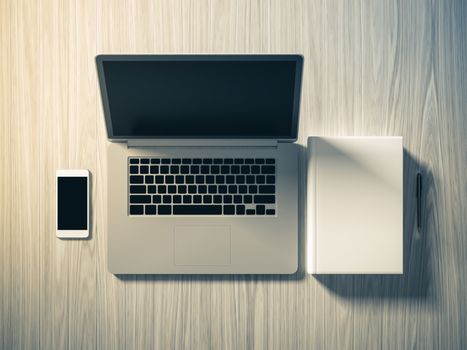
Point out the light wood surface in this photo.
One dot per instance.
(371, 68)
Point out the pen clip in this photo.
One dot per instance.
(419, 200)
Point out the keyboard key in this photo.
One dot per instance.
(176, 161)
(137, 189)
(204, 169)
(260, 179)
(270, 179)
(238, 160)
(136, 209)
(207, 161)
(144, 161)
(212, 189)
(266, 189)
(250, 179)
(164, 169)
(215, 169)
(150, 209)
(248, 199)
(270, 161)
(240, 179)
(179, 179)
(225, 169)
(249, 161)
(164, 209)
(207, 199)
(157, 198)
(186, 161)
(149, 179)
(167, 199)
(195, 169)
(235, 169)
(199, 179)
(268, 169)
(159, 179)
(174, 169)
(165, 161)
(197, 198)
(250, 212)
(217, 161)
(264, 199)
(192, 189)
(154, 169)
(245, 169)
(202, 189)
(232, 189)
(255, 169)
(187, 199)
(242, 189)
(155, 161)
(136, 179)
(222, 189)
(228, 161)
(197, 209)
(240, 209)
(162, 189)
(144, 169)
(220, 179)
(184, 169)
(237, 199)
(172, 189)
(209, 179)
(217, 199)
(228, 199)
(177, 199)
(152, 189)
(253, 189)
(229, 209)
(230, 179)
(134, 169)
(260, 210)
(140, 199)
(134, 161)
(189, 179)
(270, 212)
(197, 161)
(259, 161)
(182, 189)
(169, 179)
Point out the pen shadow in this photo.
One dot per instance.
(298, 275)
(416, 279)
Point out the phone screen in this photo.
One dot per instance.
(72, 203)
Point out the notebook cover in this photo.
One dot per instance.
(355, 205)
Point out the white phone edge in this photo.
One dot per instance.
(71, 233)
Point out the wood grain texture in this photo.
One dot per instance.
(371, 68)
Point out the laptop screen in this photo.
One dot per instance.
(201, 96)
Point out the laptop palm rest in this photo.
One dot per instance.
(202, 245)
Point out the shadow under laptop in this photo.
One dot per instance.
(299, 275)
(416, 280)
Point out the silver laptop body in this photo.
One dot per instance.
(202, 166)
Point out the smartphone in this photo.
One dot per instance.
(72, 203)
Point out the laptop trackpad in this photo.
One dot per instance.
(202, 245)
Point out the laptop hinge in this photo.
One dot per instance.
(202, 143)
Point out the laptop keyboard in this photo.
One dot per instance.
(202, 186)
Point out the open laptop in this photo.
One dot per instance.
(202, 166)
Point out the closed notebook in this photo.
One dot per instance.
(355, 205)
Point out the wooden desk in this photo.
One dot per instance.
(371, 68)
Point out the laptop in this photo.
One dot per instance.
(201, 163)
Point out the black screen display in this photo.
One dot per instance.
(72, 203)
(212, 99)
